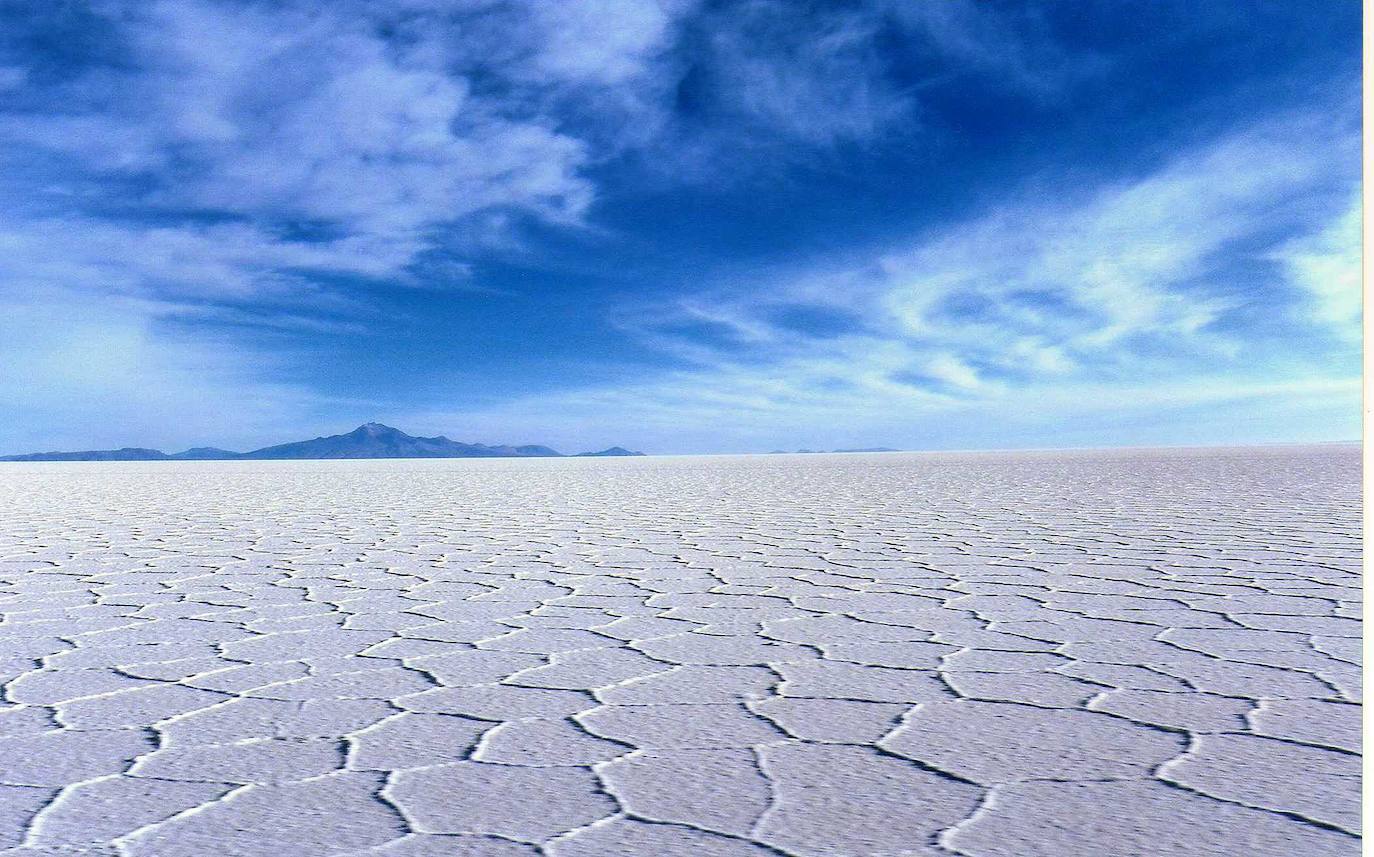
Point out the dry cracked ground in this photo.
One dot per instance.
(1130, 653)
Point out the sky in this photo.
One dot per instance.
(679, 225)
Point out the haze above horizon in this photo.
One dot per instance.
(680, 225)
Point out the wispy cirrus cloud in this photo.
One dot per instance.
(1327, 265)
(1163, 291)
(817, 81)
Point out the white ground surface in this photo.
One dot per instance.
(1147, 653)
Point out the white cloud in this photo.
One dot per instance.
(387, 127)
(604, 42)
(223, 260)
(1327, 266)
(830, 404)
(815, 80)
(1067, 310)
(290, 114)
(237, 159)
(952, 370)
(1144, 260)
(1011, 45)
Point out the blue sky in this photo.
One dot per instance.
(680, 225)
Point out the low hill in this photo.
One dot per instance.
(371, 440)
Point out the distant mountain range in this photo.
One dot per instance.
(372, 440)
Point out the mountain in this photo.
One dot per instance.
(612, 452)
(205, 453)
(532, 450)
(128, 453)
(375, 440)
(372, 440)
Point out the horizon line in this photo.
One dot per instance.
(1356, 442)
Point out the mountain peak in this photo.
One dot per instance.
(369, 440)
(376, 430)
(613, 452)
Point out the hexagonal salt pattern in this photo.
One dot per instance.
(1130, 653)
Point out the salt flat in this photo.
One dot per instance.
(1123, 653)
